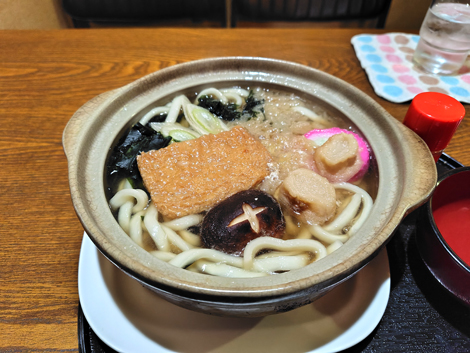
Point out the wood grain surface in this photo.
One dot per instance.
(45, 76)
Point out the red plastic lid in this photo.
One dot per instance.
(434, 117)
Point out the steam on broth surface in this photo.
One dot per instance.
(317, 182)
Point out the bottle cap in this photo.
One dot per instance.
(434, 117)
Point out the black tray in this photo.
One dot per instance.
(421, 315)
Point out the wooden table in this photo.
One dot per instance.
(45, 76)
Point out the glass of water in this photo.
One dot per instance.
(444, 42)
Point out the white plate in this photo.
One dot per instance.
(130, 318)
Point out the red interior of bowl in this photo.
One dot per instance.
(451, 212)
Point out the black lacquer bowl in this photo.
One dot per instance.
(441, 259)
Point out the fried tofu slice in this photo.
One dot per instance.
(192, 176)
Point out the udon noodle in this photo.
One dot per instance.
(279, 126)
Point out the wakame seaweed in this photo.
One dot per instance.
(159, 118)
(231, 111)
(123, 160)
(228, 112)
(250, 104)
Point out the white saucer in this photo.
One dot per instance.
(130, 318)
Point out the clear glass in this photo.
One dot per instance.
(444, 42)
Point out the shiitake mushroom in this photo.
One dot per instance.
(244, 216)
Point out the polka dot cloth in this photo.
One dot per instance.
(387, 60)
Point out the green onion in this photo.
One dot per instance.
(202, 120)
(176, 131)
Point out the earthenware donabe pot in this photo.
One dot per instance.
(407, 176)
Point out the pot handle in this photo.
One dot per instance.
(78, 119)
(421, 169)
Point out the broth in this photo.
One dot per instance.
(279, 124)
